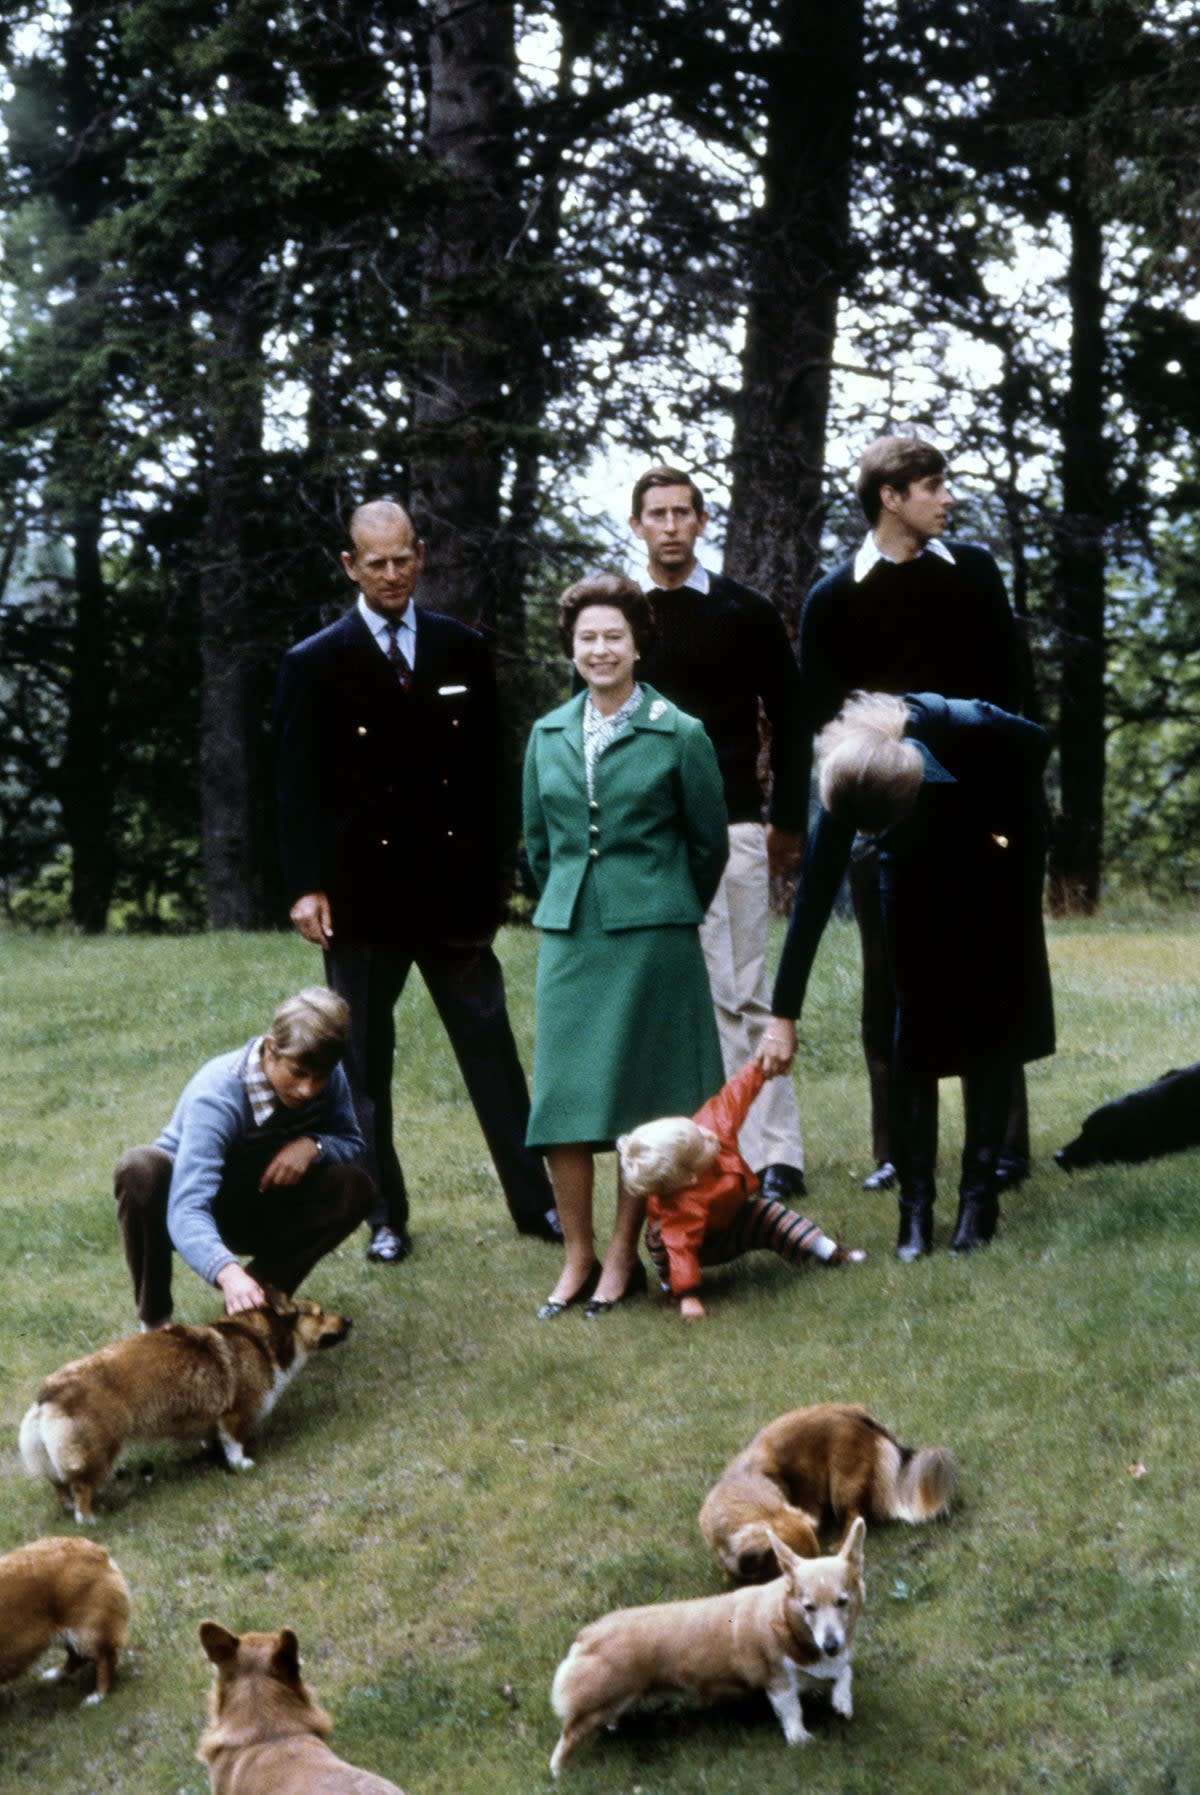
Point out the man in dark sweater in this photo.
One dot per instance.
(722, 655)
(908, 613)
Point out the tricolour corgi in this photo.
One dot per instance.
(795, 1633)
(266, 1734)
(182, 1383)
(831, 1462)
(67, 1593)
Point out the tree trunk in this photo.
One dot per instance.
(1078, 833)
(229, 748)
(85, 778)
(798, 254)
(461, 387)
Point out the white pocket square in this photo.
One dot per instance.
(450, 691)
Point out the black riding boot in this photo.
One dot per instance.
(986, 1092)
(914, 1137)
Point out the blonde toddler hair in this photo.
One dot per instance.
(664, 1157)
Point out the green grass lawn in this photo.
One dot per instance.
(439, 1504)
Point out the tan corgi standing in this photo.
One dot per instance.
(791, 1635)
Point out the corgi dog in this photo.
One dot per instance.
(792, 1635)
(833, 1461)
(64, 1592)
(183, 1383)
(266, 1734)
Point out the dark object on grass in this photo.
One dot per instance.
(1164, 1117)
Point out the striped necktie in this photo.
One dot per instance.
(396, 657)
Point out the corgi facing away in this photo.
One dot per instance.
(68, 1593)
(266, 1734)
(791, 1635)
(184, 1383)
(831, 1462)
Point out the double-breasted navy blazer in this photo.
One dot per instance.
(392, 801)
(654, 832)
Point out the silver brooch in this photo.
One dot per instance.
(658, 709)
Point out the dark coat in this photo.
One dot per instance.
(961, 888)
(390, 801)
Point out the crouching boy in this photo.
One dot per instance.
(260, 1157)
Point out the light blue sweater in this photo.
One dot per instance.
(213, 1135)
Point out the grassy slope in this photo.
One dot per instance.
(440, 1504)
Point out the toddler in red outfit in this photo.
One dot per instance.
(702, 1202)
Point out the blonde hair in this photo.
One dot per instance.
(312, 1028)
(664, 1157)
(868, 774)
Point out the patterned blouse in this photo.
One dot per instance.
(600, 732)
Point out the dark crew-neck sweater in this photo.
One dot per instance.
(718, 654)
(911, 626)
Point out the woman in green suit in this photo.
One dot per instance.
(626, 835)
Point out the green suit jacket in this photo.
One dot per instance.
(654, 833)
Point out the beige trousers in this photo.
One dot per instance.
(734, 938)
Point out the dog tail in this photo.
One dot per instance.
(558, 1689)
(913, 1486)
(34, 1453)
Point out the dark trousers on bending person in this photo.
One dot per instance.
(879, 1028)
(987, 1090)
(467, 988)
(287, 1228)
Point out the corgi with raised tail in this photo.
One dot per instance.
(811, 1467)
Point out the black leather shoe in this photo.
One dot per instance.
(552, 1307)
(388, 1247)
(543, 1227)
(635, 1284)
(780, 1183)
(882, 1178)
(975, 1224)
(915, 1238)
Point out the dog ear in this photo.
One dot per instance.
(787, 1560)
(851, 1548)
(285, 1659)
(219, 1643)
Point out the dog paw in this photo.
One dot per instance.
(89, 1701)
(55, 1674)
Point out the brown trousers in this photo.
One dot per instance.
(287, 1228)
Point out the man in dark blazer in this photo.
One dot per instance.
(394, 835)
(723, 655)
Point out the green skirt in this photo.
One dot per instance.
(625, 1030)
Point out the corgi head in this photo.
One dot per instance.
(665, 1156)
(824, 1595)
(257, 1679)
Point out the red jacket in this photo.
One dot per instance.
(684, 1219)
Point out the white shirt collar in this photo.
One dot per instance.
(406, 635)
(697, 581)
(870, 555)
